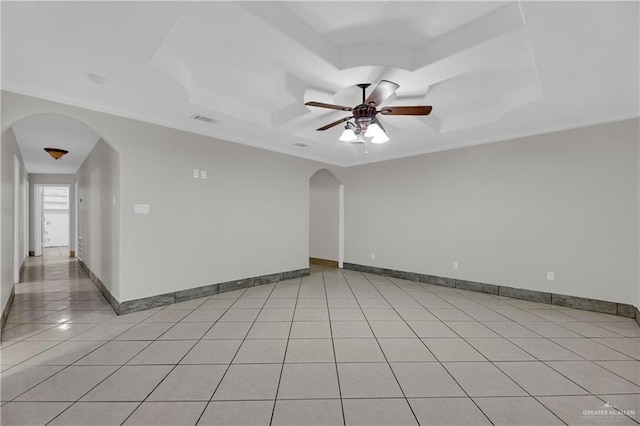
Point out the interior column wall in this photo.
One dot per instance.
(9, 149)
(99, 217)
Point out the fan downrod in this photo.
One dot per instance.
(363, 86)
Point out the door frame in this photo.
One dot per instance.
(38, 212)
(37, 218)
(17, 261)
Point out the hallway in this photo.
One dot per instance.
(337, 347)
(53, 291)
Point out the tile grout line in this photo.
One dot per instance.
(544, 362)
(208, 403)
(456, 299)
(123, 365)
(286, 348)
(333, 347)
(465, 340)
(182, 358)
(434, 356)
(382, 351)
(66, 366)
(112, 373)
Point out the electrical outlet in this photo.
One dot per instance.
(551, 275)
(373, 256)
(196, 173)
(203, 174)
(455, 265)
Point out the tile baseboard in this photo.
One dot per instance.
(23, 269)
(156, 301)
(7, 308)
(594, 305)
(98, 283)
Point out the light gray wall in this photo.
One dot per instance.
(249, 218)
(99, 217)
(8, 149)
(323, 216)
(508, 212)
(52, 179)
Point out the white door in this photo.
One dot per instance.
(56, 216)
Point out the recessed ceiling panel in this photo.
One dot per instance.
(491, 70)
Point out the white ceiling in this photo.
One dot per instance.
(53, 131)
(491, 70)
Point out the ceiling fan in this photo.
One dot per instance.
(365, 120)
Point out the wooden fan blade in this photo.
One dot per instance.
(383, 90)
(330, 106)
(406, 110)
(335, 123)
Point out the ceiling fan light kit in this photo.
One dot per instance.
(348, 135)
(379, 139)
(365, 123)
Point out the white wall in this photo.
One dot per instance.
(53, 180)
(323, 216)
(8, 149)
(508, 212)
(249, 218)
(99, 218)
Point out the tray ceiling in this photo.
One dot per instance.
(491, 70)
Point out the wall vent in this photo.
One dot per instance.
(301, 145)
(203, 118)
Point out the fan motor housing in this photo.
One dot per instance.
(363, 115)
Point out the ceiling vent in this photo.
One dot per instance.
(301, 145)
(203, 118)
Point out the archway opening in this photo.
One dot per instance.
(325, 219)
(68, 205)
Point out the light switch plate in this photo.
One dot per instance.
(203, 174)
(141, 208)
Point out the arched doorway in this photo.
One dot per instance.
(326, 219)
(89, 174)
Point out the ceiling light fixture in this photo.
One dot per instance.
(365, 121)
(56, 153)
(373, 130)
(348, 135)
(379, 139)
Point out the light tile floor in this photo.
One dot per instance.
(337, 347)
(58, 251)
